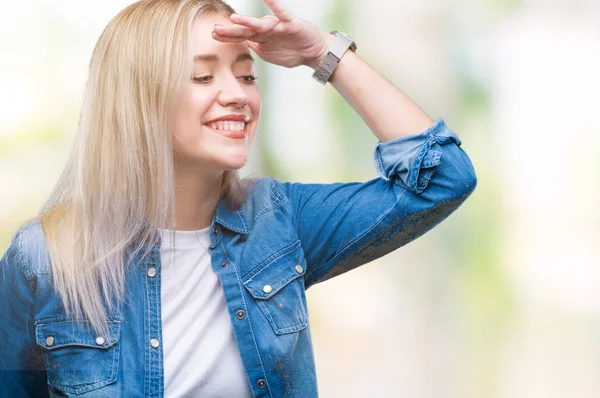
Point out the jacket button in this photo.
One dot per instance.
(154, 343)
(50, 341)
(261, 383)
(215, 231)
(100, 340)
(240, 314)
(151, 272)
(299, 268)
(267, 289)
(224, 264)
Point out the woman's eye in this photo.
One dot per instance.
(202, 79)
(249, 79)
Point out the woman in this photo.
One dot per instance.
(153, 269)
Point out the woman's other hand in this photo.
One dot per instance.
(281, 39)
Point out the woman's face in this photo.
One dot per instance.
(221, 86)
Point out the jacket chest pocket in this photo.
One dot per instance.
(77, 361)
(278, 289)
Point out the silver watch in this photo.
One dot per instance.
(339, 46)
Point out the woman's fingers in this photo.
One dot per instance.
(234, 30)
(255, 30)
(279, 11)
(228, 39)
(260, 25)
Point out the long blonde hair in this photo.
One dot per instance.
(118, 184)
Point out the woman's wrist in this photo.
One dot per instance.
(328, 39)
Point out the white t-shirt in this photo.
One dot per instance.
(201, 357)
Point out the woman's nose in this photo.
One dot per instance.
(232, 93)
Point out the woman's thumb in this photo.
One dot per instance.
(253, 45)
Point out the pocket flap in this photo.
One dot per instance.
(274, 275)
(71, 333)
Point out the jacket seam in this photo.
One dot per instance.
(21, 263)
(64, 319)
(147, 331)
(271, 206)
(269, 260)
(242, 220)
(416, 164)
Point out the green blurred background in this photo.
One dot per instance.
(500, 300)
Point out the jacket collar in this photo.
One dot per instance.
(233, 219)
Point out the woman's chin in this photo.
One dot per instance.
(235, 161)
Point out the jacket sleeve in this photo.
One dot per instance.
(422, 179)
(22, 371)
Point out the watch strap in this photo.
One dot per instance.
(325, 68)
(336, 51)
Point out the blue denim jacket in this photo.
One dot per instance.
(285, 238)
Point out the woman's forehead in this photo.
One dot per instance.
(205, 45)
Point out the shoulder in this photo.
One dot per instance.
(28, 249)
(263, 192)
(264, 196)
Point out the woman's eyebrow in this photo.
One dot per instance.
(215, 58)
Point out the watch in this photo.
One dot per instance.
(337, 50)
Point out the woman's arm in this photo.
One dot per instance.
(283, 39)
(422, 179)
(387, 111)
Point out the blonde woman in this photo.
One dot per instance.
(153, 270)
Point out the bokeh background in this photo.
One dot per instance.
(502, 299)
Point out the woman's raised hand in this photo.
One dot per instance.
(281, 39)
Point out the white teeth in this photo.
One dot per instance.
(231, 126)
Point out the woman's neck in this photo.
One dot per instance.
(196, 198)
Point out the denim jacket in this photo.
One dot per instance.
(284, 238)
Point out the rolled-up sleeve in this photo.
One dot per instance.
(412, 160)
(422, 179)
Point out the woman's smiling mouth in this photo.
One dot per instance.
(232, 126)
(239, 129)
